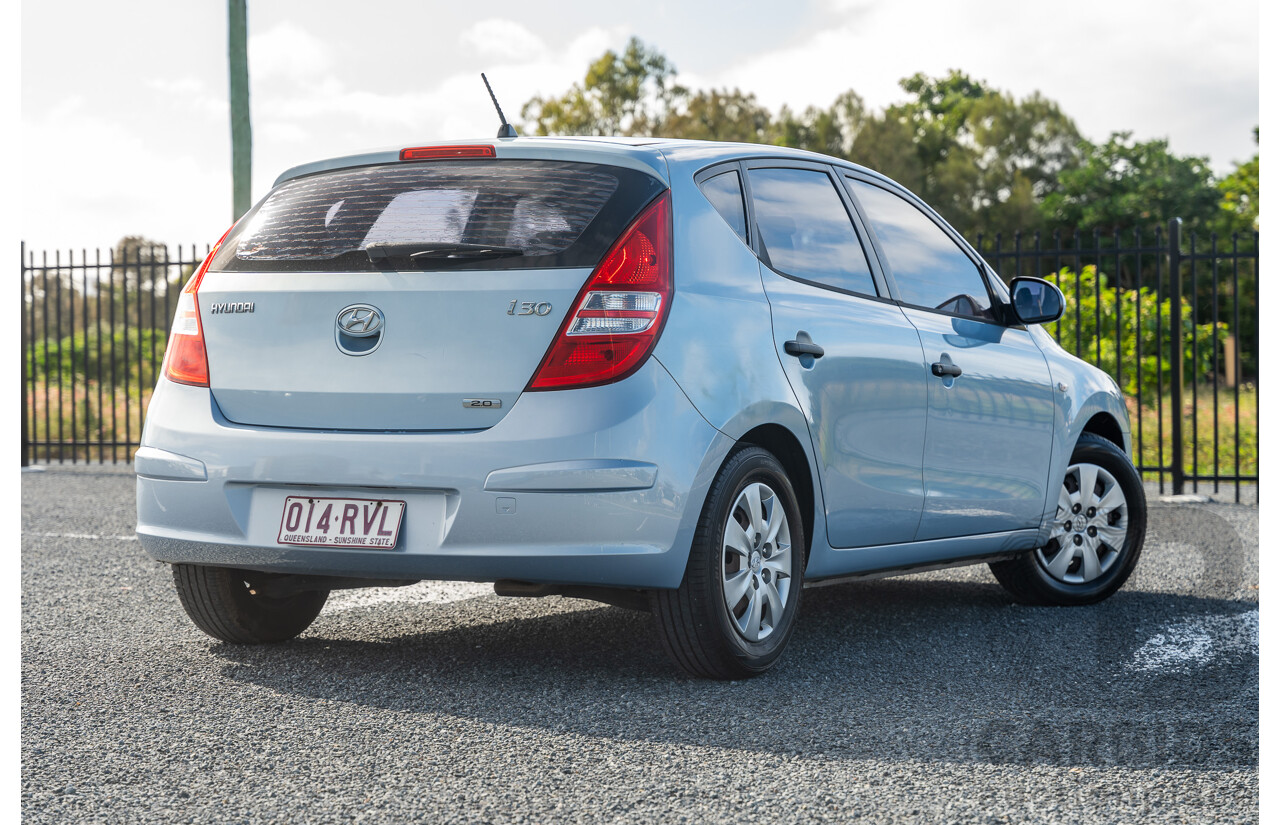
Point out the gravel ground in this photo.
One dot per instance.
(928, 698)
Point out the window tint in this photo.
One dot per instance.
(546, 209)
(806, 232)
(725, 193)
(928, 267)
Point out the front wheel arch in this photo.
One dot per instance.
(1105, 425)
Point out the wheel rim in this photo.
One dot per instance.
(1090, 525)
(755, 564)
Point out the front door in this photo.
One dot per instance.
(986, 455)
(990, 428)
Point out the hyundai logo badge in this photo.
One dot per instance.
(360, 321)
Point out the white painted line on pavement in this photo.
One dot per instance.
(83, 536)
(1196, 642)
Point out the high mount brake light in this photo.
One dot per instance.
(620, 310)
(447, 152)
(185, 359)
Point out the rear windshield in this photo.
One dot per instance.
(537, 213)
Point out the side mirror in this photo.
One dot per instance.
(1036, 301)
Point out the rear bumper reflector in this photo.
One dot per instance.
(586, 475)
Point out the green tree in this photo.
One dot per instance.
(622, 94)
(981, 157)
(831, 131)
(1239, 204)
(1025, 147)
(988, 162)
(1122, 184)
(719, 115)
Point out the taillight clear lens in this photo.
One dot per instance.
(185, 359)
(619, 313)
(606, 313)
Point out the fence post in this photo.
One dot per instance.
(22, 349)
(1175, 352)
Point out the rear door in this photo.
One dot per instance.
(405, 296)
(990, 429)
(865, 394)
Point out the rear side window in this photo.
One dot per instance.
(805, 231)
(548, 213)
(929, 268)
(725, 193)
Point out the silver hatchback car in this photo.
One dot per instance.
(682, 376)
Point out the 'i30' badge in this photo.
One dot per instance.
(359, 329)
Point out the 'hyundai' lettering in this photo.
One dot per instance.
(239, 306)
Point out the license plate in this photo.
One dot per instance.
(340, 522)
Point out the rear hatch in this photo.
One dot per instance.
(405, 296)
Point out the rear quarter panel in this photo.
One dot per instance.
(718, 340)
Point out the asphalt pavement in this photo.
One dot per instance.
(928, 698)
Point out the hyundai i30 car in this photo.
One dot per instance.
(682, 376)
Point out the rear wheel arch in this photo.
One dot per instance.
(789, 451)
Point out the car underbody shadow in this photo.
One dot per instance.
(912, 668)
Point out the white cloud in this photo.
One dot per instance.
(273, 131)
(178, 85)
(155, 115)
(188, 94)
(1189, 72)
(503, 39)
(122, 181)
(303, 118)
(287, 50)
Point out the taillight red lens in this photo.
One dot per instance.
(447, 152)
(619, 313)
(185, 360)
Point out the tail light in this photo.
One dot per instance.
(185, 360)
(619, 313)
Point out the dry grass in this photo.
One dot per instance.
(1198, 443)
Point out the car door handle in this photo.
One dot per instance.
(941, 369)
(804, 348)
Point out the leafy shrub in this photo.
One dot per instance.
(79, 357)
(1144, 325)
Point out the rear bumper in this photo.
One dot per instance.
(601, 486)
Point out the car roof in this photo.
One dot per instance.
(651, 154)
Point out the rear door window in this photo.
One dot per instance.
(725, 193)
(543, 213)
(929, 268)
(805, 230)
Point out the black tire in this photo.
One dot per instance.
(224, 605)
(694, 621)
(1027, 578)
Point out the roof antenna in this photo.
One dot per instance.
(506, 130)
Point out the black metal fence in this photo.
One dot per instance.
(95, 328)
(1190, 375)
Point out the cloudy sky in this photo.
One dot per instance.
(124, 113)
